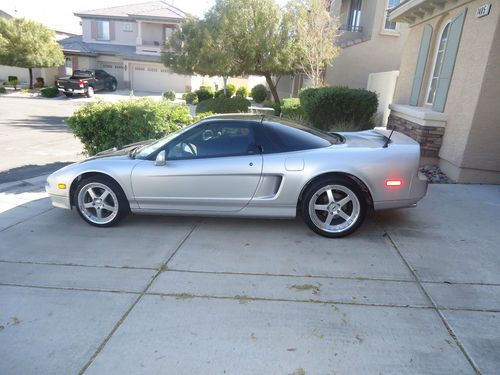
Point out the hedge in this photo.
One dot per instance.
(339, 108)
(190, 97)
(49, 92)
(223, 104)
(242, 91)
(230, 91)
(169, 95)
(273, 105)
(103, 125)
(292, 110)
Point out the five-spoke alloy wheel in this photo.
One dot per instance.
(334, 207)
(100, 201)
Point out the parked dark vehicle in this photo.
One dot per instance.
(86, 82)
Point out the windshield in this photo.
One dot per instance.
(148, 149)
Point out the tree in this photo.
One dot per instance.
(236, 37)
(198, 48)
(28, 44)
(316, 32)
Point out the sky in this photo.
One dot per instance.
(58, 14)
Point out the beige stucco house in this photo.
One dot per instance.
(126, 41)
(448, 92)
(371, 49)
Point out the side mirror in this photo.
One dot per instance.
(160, 158)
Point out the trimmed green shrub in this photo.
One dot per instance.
(259, 93)
(103, 125)
(204, 93)
(230, 91)
(190, 97)
(292, 110)
(242, 91)
(49, 92)
(169, 95)
(3, 90)
(330, 107)
(273, 105)
(223, 105)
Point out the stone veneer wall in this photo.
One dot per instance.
(429, 137)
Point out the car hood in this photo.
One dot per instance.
(118, 151)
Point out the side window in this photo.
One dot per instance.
(215, 140)
(283, 138)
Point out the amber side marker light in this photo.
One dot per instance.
(393, 183)
(61, 186)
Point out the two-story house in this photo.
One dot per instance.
(369, 43)
(448, 91)
(126, 41)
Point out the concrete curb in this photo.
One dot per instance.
(34, 182)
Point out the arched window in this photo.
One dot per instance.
(438, 64)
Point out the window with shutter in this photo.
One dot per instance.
(421, 62)
(448, 62)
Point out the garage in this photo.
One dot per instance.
(156, 78)
(113, 68)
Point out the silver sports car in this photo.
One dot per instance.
(247, 166)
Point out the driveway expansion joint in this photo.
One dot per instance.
(434, 304)
(136, 301)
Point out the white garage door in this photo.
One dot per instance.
(156, 78)
(113, 68)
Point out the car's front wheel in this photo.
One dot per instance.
(334, 207)
(100, 201)
(112, 86)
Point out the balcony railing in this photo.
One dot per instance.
(352, 28)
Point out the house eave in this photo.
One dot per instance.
(417, 11)
(130, 18)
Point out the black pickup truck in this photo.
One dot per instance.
(86, 82)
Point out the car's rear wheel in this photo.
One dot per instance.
(68, 94)
(334, 207)
(90, 92)
(100, 201)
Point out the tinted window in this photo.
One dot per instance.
(214, 140)
(284, 136)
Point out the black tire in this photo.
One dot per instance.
(90, 92)
(112, 86)
(121, 200)
(355, 208)
(68, 94)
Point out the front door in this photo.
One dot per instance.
(213, 167)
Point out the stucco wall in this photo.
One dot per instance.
(152, 32)
(482, 150)
(381, 53)
(466, 85)
(120, 36)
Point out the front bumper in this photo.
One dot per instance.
(58, 200)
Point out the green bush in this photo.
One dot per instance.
(242, 91)
(328, 108)
(103, 125)
(49, 92)
(3, 90)
(223, 104)
(259, 93)
(273, 105)
(190, 97)
(230, 91)
(13, 82)
(204, 93)
(292, 110)
(169, 95)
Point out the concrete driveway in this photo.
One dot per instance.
(415, 291)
